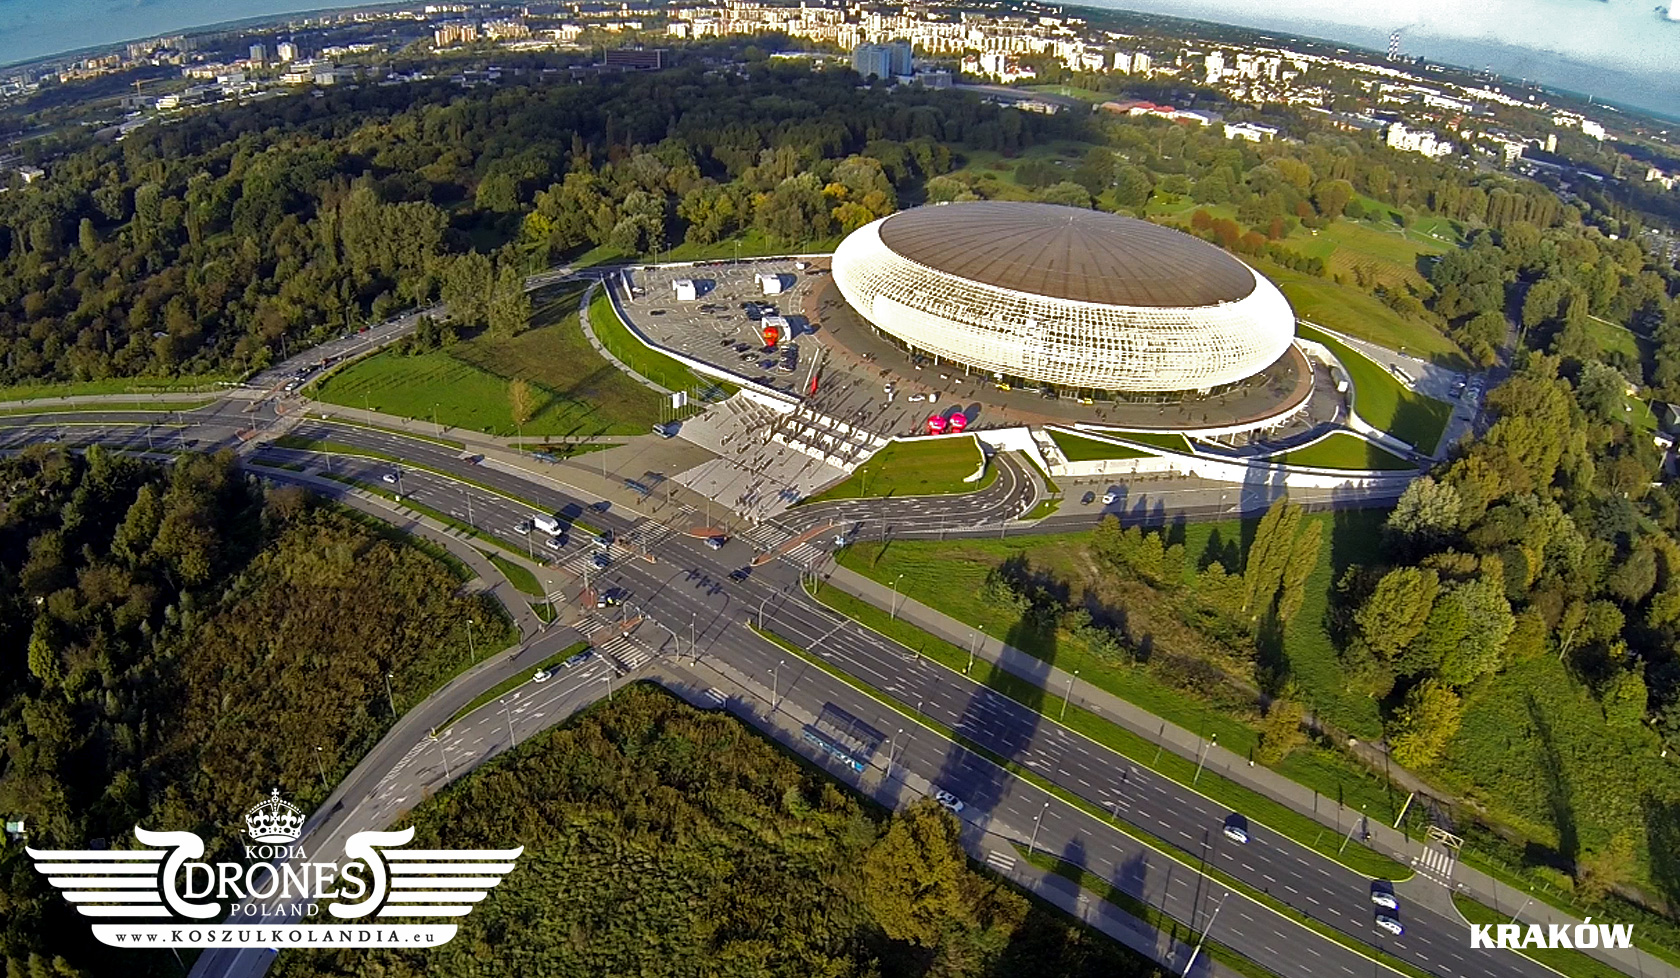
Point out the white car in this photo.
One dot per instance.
(951, 802)
(917, 398)
(391, 478)
(522, 528)
(1109, 498)
(1236, 833)
(933, 397)
(1390, 924)
(716, 543)
(541, 676)
(1384, 899)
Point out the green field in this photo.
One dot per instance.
(996, 172)
(1157, 439)
(1344, 451)
(1078, 449)
(1575, 964)
(113, 385)
(516, 574)
(1382, 253)
(919, 467)
(655, 366)
(1349, 310)
(1381, 399)
(1611, 338)
(466, 385)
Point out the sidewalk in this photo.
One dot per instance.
(1389, 841)
(748, 701)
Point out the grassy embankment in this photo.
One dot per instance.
(918, 467)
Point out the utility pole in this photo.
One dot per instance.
(894, 614)
(1355, 825)
(774, 698)
(388, 697)
(470, 649)
(319, 766)
(439, 742)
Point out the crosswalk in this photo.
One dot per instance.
(716, 695)
(773, 538)
(1001, 861)
(1436, 863)
(625, 653)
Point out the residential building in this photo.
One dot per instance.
(1417, 141)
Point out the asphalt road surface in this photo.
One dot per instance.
(686, 591)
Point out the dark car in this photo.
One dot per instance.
(740, 574)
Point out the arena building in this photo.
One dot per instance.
(1079, 300)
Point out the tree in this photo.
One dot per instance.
(1268, 556)
(1303, 560)
(510, 304)
(1424, 724)
(1281, 732)
(1067, 192)
(1426, 513)
(522, 403)
(1396, 610)
(1488, 622)
(467, 283)
(1626, 699)
(912, 876)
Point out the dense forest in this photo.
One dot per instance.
(181, 644)
(664, 840)
(202, 247)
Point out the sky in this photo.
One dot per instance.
(1622, 50)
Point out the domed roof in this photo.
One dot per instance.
(1068, 253)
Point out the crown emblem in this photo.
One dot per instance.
(273, 820)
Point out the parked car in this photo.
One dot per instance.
(1090, 498)
(542, 676)
(1110, 498)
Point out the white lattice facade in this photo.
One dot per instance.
(1068, 343)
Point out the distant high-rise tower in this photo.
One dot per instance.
(259, 54)
(1394, 46)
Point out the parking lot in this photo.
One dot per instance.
(724, 322)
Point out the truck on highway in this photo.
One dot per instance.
(546, 523)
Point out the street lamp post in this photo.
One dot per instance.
(1201, 756)
(388, 697)
(691, 643)
(761, 605)
(439, 742)
(894, 613)
(1032, 845)
(972, 642)
(1068, 695)
(608, 679)
(1197, 950)
(470, 650)
(1349, 837)
(774, 698)
(508, 713)
(321, 767)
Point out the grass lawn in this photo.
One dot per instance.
(1381, 399)
(158, 406)
(1044, 508)
(466, 385)
(1349, 310)
(1575, 964)
(1381, 252)
(919, 467)
(113, 385)
(1611, 338)
(657, 367)
(1344, 451)
(516, 574)
(1157, 439)
(1079, 449)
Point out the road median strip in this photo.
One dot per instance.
(1211, 785)
(1258, 897)
(510, 684)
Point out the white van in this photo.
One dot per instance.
(546, 523)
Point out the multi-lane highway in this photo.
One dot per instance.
(688, 593)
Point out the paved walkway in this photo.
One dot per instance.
(1384, 839)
